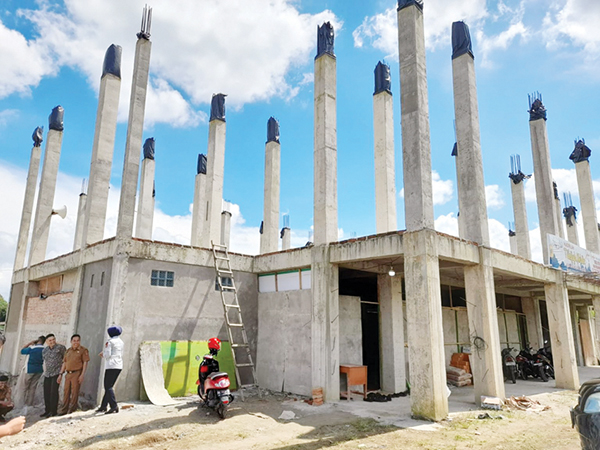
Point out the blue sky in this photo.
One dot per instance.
(261, 54)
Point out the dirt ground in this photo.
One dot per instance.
(255, 424)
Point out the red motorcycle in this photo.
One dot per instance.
(213, 386)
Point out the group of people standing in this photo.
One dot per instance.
(53, 362)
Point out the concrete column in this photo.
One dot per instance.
(416, 147)
(391, 318)
(135, 129)
(561, 334)
(486, 362)
(325, 150)
(215, 166)
(471, 186)
(43, 211)
(572, 232)
(427, 371)
(520, 214)
(421, 265)
(531, 309)
(385, 171)
(479, 280)
(543, 174)
(558, 210)
(576, 335)
(145, 211)
(32, 176)
(200, 206)
(596, 304)
(512, 240)
(269, 241)
(325, 324)
(588, 206)
(103, 147)
(286, 239)
(77, 242)
(225, 228)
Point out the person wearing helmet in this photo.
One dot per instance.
(209, 363)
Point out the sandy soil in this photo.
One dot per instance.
(255, 424)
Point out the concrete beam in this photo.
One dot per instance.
(576, 335)
(225, 228)
(531, 309)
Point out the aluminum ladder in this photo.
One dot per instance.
(238, 339)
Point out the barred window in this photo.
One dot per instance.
(225, 281)
(162, 278)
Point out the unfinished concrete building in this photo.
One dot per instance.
(399, 302)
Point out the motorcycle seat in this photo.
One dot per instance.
(212, 376)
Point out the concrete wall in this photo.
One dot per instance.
(190, 310)
(351, 350)
(91, 320)
(284, 341)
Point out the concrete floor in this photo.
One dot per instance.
(397, 412)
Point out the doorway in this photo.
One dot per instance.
(364, 285)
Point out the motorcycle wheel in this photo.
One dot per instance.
(222, 410)
(523, 373)
(542, 373)
(549, 370)
(513, 374)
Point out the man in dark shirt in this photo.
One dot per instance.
(74, 366)
(53, 356)
(35, 368)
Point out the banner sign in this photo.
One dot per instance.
(569, 257)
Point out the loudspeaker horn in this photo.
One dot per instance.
(62, 212)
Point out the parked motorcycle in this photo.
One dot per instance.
(213, 386)
(509, 365)
(530, 365)
(545, 357)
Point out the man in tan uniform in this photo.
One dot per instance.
(74, 366)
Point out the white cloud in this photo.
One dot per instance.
(443, 190)
(447, 224)
(498, 235)
(576, 20)
(244, 49)
(7, 116)
(381, 30)
(494, 196)
(25, 63)
(488, 44)
(566, 180)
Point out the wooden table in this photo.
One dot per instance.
(355, 376)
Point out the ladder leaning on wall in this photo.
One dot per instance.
(238, 339)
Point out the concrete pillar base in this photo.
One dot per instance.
(391, 318)
(486, 361)
(424, 326)
(325, 324)
(561, 335)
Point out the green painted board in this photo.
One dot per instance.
(180, 367)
